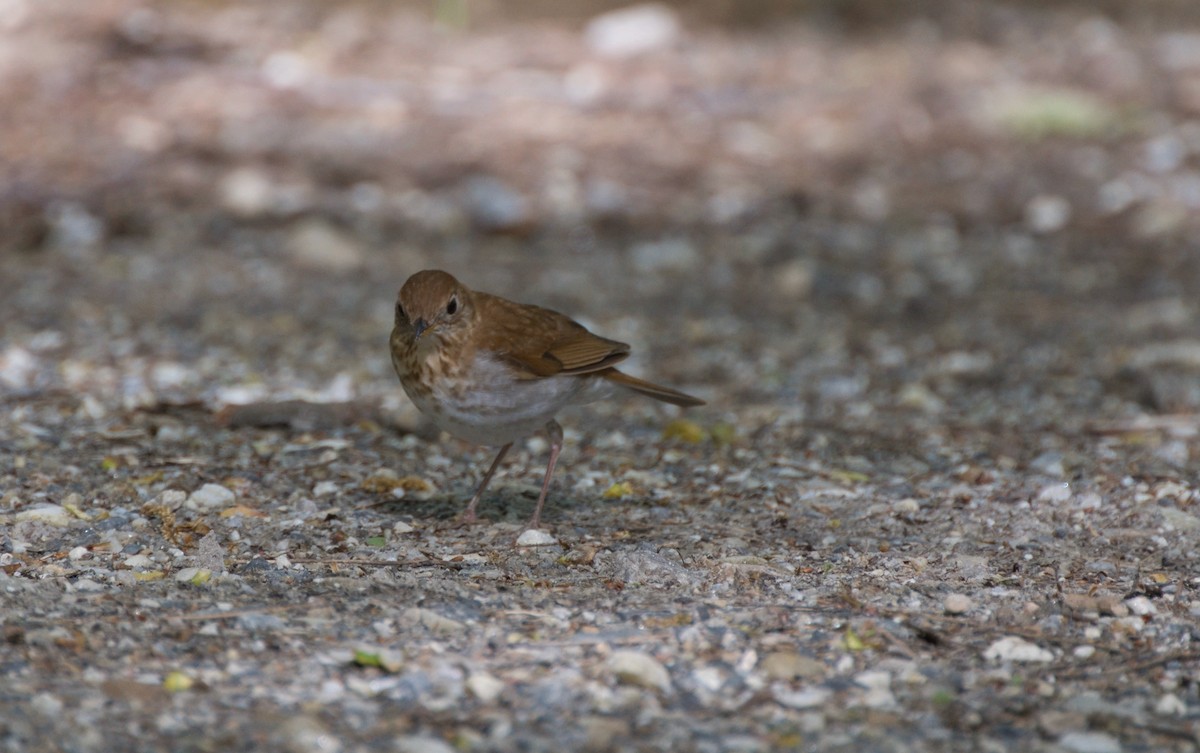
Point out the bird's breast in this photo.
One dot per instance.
(485, 400)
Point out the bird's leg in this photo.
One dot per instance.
(469, 515)
(554, 432)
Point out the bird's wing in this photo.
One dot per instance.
(543, 343)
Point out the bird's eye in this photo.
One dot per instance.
(452, 306)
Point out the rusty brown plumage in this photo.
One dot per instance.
(491, 370)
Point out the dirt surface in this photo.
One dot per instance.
(937, 278)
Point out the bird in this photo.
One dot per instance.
(491, 371)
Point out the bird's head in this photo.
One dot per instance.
(432, 304)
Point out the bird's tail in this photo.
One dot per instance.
(649, 389)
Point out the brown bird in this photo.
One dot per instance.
(492, 371)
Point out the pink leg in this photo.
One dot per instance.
(554, 431)
(469, 515)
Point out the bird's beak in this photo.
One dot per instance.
(419, 327)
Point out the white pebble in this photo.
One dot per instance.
(1141, 606)
(957, 604)
(805, 698)
(874, 679)
(17, 367)
(878, 685)
(908, 505)
(421, 744)
(536, 537)
(318, 245)
(1084, 652)
(1012, 648)
(1170, 705)
(709, 678)
(1047, 214)
(286, 69)
(172, 498)
(169, 374)
(78, 553)
(1178, 520)
(54, 515)
(211, 496)
(433, 621)
(485, 687)
(638, 668)
(324, 488)
(632, 31)
(304, 734)
(1060, 492)
(193, 575)
(1089, 742)
(400, 527)
(47, 705)
(246, 192)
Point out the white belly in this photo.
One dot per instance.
(496, 409)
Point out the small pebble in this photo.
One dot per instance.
(47, 705)
(878, 686)
(172, 498)
(1047, 213)
(195, 575)
(246, 191)
(957, 604)
(211, 496)
(485, 687)
(1012, 648)
(788, 665)
(1178, 519)
(907, 506)
(641, 669)
(17, 367)
(305, 734)
(1089, 742)
(317, 244)
(631, 31)
(421, 744)
(261, 623)
(49, 514)
(324, 488)
(1052, 493)
(433, 621)
(78, 553)
(919, 397)
(536, 537)
(805, 698)
(1170, 705)
(1141, 606)
(709, 678)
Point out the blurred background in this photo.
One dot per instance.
(934, 265)
(803, 211)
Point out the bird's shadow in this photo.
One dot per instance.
(500, 506)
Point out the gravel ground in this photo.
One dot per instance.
(937, 281)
